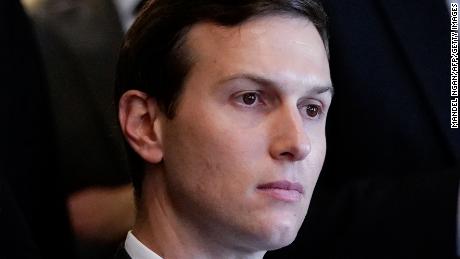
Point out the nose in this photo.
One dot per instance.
(290, 138)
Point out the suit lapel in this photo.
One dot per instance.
(422, 29)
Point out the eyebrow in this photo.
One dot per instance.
(260, 80)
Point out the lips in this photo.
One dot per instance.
(283, 190)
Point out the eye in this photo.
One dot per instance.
(313, 111)
(249, 98)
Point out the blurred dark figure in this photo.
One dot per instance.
(33, 217)
(389, 185)
(79, 41)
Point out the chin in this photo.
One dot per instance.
(283, 239)
(278, 235)
(274, 245)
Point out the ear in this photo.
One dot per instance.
(140, 120)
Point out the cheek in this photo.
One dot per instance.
(211, 172)
(317, 138)
(218, 156)
(316, 158)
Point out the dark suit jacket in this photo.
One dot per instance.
(33, 218)
(389, 184)
(79, 41)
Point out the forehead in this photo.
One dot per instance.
(283, 47)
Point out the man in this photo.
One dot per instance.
(224, 105)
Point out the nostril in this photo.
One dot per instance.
(295, 153)
(286, 154)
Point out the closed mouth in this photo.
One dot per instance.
(282, 185)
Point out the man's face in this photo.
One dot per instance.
(244, 151)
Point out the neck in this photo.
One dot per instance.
(163, 229)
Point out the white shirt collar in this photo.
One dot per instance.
(137, 250)
(125, 9)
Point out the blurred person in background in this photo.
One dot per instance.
(79, 42)
(33, 216)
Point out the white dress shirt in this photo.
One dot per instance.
(137, 250)
(126, 12)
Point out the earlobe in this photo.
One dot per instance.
(140, 120)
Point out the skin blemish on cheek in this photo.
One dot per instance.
(211, 165)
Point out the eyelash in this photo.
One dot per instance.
(258, 95)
